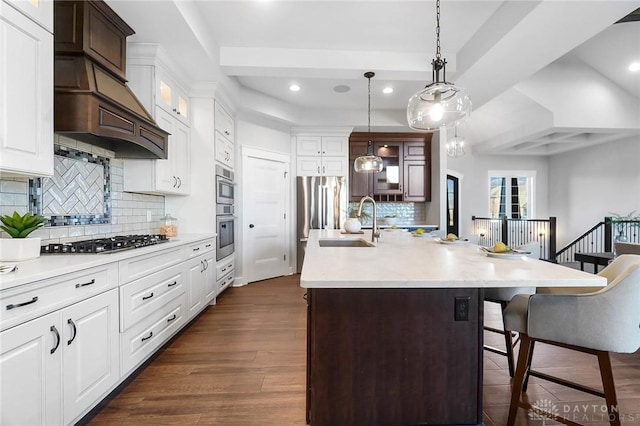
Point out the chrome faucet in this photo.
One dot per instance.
(375, 234)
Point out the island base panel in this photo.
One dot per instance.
(394, 357)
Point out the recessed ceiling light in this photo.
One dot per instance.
(387, 90)
(635, 66)
(294, 88)
(341, 88)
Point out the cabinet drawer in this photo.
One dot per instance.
(141, 297)
(141, 340)
(223, 268)
(26, 302)
(200, 247)
(141, 266)
(224, 282)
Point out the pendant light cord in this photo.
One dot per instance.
(368, 75)
(369, 111)
(438, 29)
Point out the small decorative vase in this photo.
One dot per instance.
(352, 225)
(18, 249)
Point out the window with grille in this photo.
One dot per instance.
(511, 194)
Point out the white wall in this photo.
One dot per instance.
(474, 186)
(587, 184)
(270, 136)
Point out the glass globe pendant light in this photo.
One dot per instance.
(368, 163)
(440, 103)
(455, 146)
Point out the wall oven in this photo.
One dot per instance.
(224, 186)
(225, 228)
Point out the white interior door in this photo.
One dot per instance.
(265, 200)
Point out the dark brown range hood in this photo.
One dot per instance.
(92, 101)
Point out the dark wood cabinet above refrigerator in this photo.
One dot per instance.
(407, 167)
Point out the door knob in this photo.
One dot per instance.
(251, 225)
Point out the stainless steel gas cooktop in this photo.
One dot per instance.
(104, 245)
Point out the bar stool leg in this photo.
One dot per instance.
(516, 387)
(604, 360)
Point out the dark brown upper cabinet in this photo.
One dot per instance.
(407, 167)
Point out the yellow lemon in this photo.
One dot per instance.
(419, 231)
(452, 237)
(500, 247)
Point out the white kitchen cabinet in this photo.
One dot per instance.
(224, 136)
(39, 11)
(91, 352)
(171, 176)
(323, 145)
(224, 123)
(31, 371)
(170, 96)
(74, 350)
(322, 156)
(200, 276)
(224, 151)
(26, 101)
(210, 290)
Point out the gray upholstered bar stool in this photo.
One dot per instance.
(626, 248)
(503, 296)
(597, 323)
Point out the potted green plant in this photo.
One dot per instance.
(19, 247)
(354, 222)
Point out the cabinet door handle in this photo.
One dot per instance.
(196, 249)
(318, 169)
(178, 112)
(201, 266)
(406, 195)
(147, 297)
(206, 264)
(224, 269)
(148, 337)
(324, 170)
(75, 331)
(17, 305)
(172, 318)
(226, 132)
(175, 181)
(208, 245)
(55, 330)
(172, 284)
(93, 281)
(179, 182)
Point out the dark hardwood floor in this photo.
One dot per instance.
(242, 362)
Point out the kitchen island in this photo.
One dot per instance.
(395, 330)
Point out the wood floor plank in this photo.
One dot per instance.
(243, 363)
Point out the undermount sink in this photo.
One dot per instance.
(342, 242)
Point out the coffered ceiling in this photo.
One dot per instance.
(541, 74)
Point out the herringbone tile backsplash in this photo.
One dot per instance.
(76, 188)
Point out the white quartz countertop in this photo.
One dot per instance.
(52, 265)
(401, 260)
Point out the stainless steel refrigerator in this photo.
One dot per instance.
(322, 204)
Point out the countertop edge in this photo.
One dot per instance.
(53, 265)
